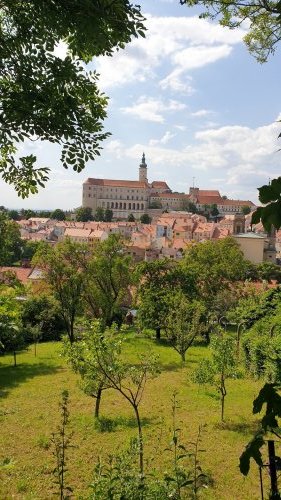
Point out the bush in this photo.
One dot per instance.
(42, 311)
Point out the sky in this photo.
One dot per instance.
(192, 98)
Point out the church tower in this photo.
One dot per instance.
(143, 170)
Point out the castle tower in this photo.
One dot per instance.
(143, 170)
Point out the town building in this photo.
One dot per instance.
(125, 197)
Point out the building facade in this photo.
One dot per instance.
(137, 197)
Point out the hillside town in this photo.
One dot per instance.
(168, 235)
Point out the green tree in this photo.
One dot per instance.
(215, 265)
(131, 218)
(269, 396)
(65, 277)
(58, 214)
(27, 214)
(83, 214)
(14, 215)
(108, 215)
(246, 210)
(61, 103)
(82, 358)
(11, 334)
(107, 279)
(155, 204)
(42, 312)
(214, 210)
(29, 248)
(156, 282)
(184, 322)
(145, 219)
(99, 214)
(129, 380)
(264, 21)
(10, 241)
(269, 271)
(219, 368)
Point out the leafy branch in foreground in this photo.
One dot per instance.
(269, 397)
(270, 215)
(263, 18)
(50, 97)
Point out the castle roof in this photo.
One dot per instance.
(209, 192)
(116, 183)
(159, 184)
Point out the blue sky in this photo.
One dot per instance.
(192, 98)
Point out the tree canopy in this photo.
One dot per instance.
(10, 242)
(264, 21)
(47, 97)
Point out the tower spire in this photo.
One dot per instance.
(143, 169)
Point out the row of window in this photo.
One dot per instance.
(122, 205)
(102, 190)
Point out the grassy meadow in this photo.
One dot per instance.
(29, 398)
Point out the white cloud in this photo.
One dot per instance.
(185, 43)
(152, 110)
(166, 138)
(237, 158)
(198, 56)
(176, 82)
(201, 113)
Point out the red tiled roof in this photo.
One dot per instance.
(169, 195)
(116, 183)
(238, 202)
(209, 192)
(209, 200)
(21, 273)
(160, 184)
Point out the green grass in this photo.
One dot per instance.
(30, 394)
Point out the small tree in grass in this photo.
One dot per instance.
(184, 323)
(61, 442)
(221, 366)
(128, 380)
(83, 359)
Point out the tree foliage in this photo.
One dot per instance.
(215, 265)
(263, 17)
(107, 279)
(66, 279)
(10, 241)
(269, 396)
(82, 357)
(47, 97)
(157, 281)
(11, 334)
(184, 322)
(83, 214)
(220, 367)
(58, 214)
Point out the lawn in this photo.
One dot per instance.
(30, 394)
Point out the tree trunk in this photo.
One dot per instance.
(222, 407)
(140, 442)
(15, 358)
(223, 394)
(272, 470)
(71, 332)
(183, 357)
(98, 400)
(158, 333)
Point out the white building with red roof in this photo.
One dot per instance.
(125, 197)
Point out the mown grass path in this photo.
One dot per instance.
(29, 397)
